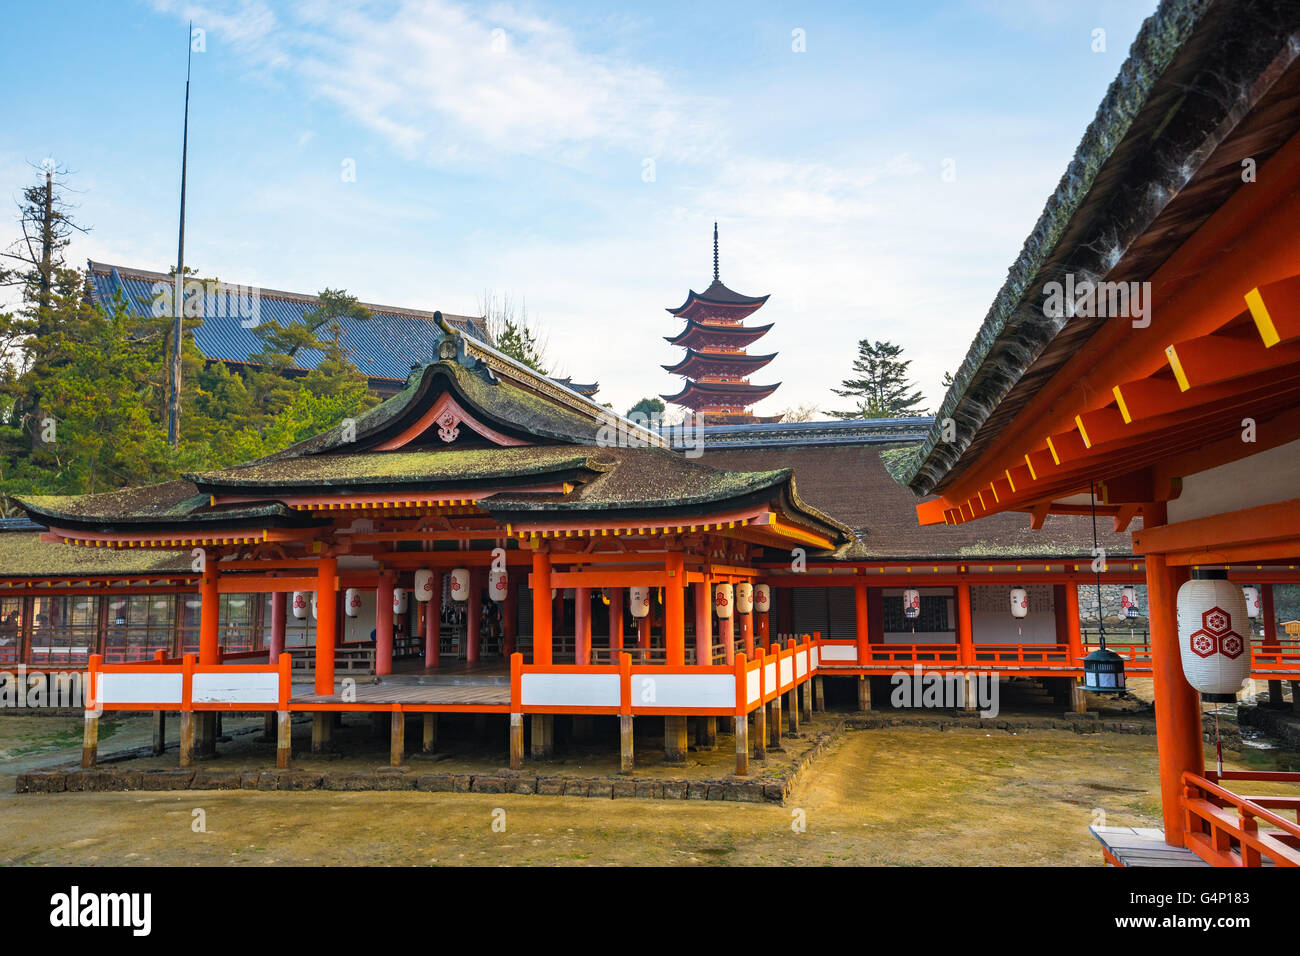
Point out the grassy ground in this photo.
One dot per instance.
(902, 796)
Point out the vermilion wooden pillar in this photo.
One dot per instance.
(643, 633)
(746, 630)
(703, 622)
(615, 623)
(727, 633)
(582, 625)
(675, 609)
(541, 584)
(209, 611)
(384, 625)
(474, 615)
(509, 617)
(965, 637)
(1269, 614)
(278, 602)
(327, 571)
(861, 621)
(1073, 627)
(1177, 704)
(433, 624)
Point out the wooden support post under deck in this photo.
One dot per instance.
(90, 741)
(706, 733)
(742, 746)
(543, 743)
(819, 694)
(429, 742)
(626, 758)
(676, 743)
(283, 739)
(187, 738)
(516, 741)
(807, 699)
(1078, 699)
(327, 571)
(384, 625)
(542, 612)
(774, 723)
(206, 729)
(864, 693)
(397, 743)
(159, 731)
(760, 731)
(322, 728)
(792, 710)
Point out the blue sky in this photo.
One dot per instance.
(509, 147)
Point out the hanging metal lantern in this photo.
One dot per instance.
(460, 584)
(1128, 601)
(498, 584)
(399, 600)
(1251, 594)
(723, 601)
(762, 598)
(1019, 602)
(1103, 672)
(638, 601)
(745, 597)
(911, 604)
(1213, 635)
(299, 604)
(351, 602)
(423, 585)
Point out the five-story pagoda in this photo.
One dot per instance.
(716, 366)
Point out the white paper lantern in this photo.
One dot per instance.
(423, 585)
(1019, 602)
(399, 600)
(911, 603)
(498, 585)
(299, 604)
(639, 601)
(1128, 601)
(1252, 601)
(351, 602)
(1213, 635)
(313, 606)
(745, 597)
(723, 601)
(762, 598)
(460, 584)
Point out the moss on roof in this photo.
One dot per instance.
(24, 554)
(365, 468)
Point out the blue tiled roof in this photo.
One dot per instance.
(384, 346)
(854, 431)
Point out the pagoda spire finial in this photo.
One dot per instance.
(715, 252)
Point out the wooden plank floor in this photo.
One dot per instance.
(1143, 846)
(481, 687)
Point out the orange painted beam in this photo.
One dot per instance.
(1275, 307)
(1265, 524)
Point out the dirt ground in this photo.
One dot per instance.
(896, 796)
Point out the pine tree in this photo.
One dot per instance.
(881, 388)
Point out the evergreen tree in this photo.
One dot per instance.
(881, 388)
(651, 408)
(513, 332)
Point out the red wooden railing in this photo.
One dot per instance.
(1223, 828)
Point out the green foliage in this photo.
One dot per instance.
(649, 407)
(83, 405)
(881, 388)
